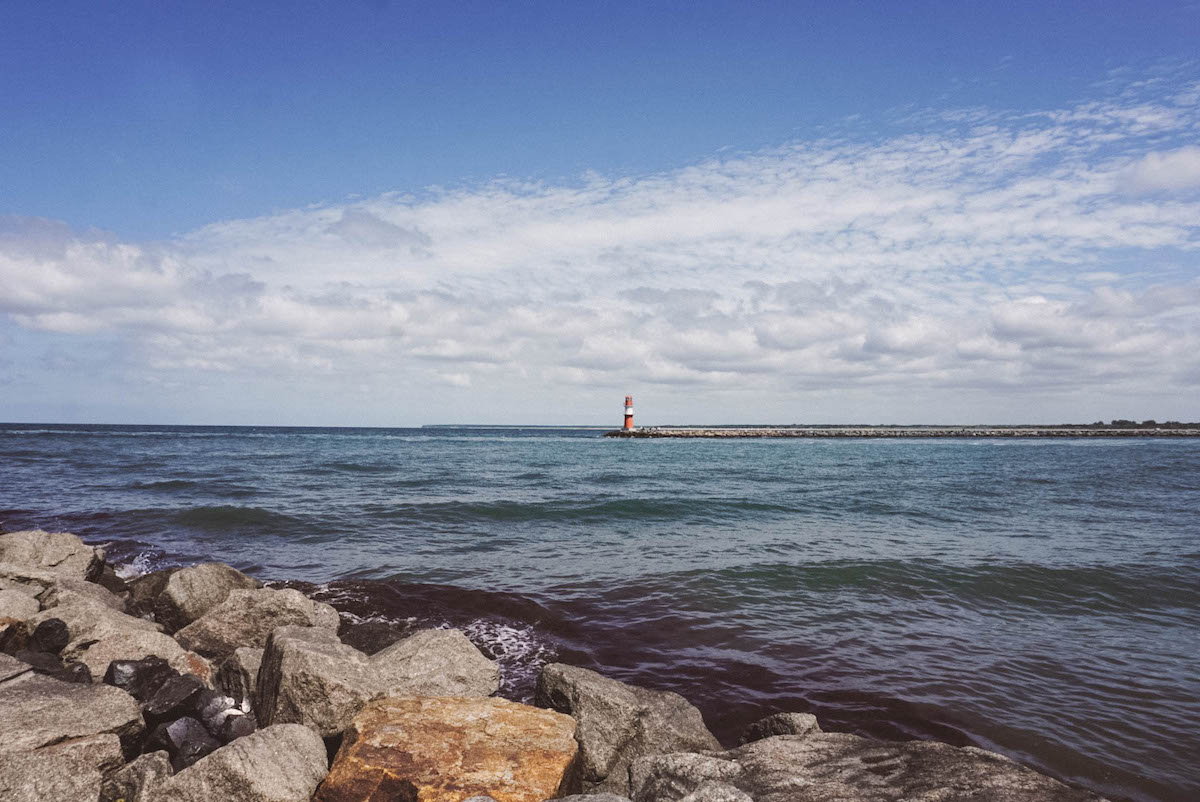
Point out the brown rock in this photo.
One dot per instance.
(447, 749)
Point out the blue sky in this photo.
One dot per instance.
(384, 213)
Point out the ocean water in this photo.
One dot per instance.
(1036, 597)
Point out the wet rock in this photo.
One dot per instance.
(370, 637)
(620, 723)
(821, 767)
(237, 726)
(309, 677)
(212, 708)
(188, 741)
(111, 581)
(436, 662)
(238, 675)
(284, 763)
(59, 553)
(780, 724)
(145, 589)
(102, 752)
(49, 636)
(191, 592)
(450, 748)
(17, 605)
(37, 711)
(174, 698)
(139, 781)
(38, 777)
(139, 678)
(247, 618)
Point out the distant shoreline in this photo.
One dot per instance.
(713, 432)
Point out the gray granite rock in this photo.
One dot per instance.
(139, 781)
(17, 604)
(620, 723)
(836, 767)
(11, 667)
(145, 589)
(34, 582)
(238, 675)
(191, 592)
(68, 590)
(102, 752)
(248, 617)
(284, 763)
(436, 662)
(37, 711)
(780, 724)
(59, 553)
(38, 777)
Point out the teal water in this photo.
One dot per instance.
(1038, 597)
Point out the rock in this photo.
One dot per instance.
(619, 723)
(780, 724)
(450, 748)
(175, 698)
(284, 763)
(49, 636)
(66, 591)
(139, 678)
(188, 741)
(247, 618)
(13, 635)
(309, 677)
(102, 752)
(37, 711)
(37, 777)
(111, 581)
(836, 767)
(436, 662)
(191, 592)
(238, 675)
(11, 667)
(40, 662)
(601, 797)
(237, 726)
(17, 605)
(139, 781)
(100, 635)
(23, 579)
(59, 553)
(145, 589)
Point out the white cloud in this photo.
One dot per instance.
(981, 250)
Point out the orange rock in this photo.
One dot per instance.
(447, 749)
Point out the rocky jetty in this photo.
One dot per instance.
(201, 684)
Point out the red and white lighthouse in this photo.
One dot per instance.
(628, 413)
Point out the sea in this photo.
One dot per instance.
(1040, 597)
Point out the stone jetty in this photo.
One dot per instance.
(900, 431)
(200, 684)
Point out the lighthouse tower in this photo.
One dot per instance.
(628, 413)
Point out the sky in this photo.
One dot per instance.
(390, 214)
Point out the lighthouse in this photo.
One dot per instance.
(628, 413)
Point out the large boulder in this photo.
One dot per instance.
(139, 781)
(284, 763)
(310, 677)
(238, 675)
(11, 667)
(620, 723)
(37, 711)
(191, 592)
(436, 662)
(780, 724)
(144, 590)
(247, 618)
(67, 590)
(837, 767)
(34, 582)
(17, 605)
(102, 752)
(446, 749)
(38, 777)
(59, 553)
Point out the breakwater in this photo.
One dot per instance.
(899, 431)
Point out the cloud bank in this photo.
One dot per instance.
(1017, 257)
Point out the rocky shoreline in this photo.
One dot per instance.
(200, 683)
(900, 431)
